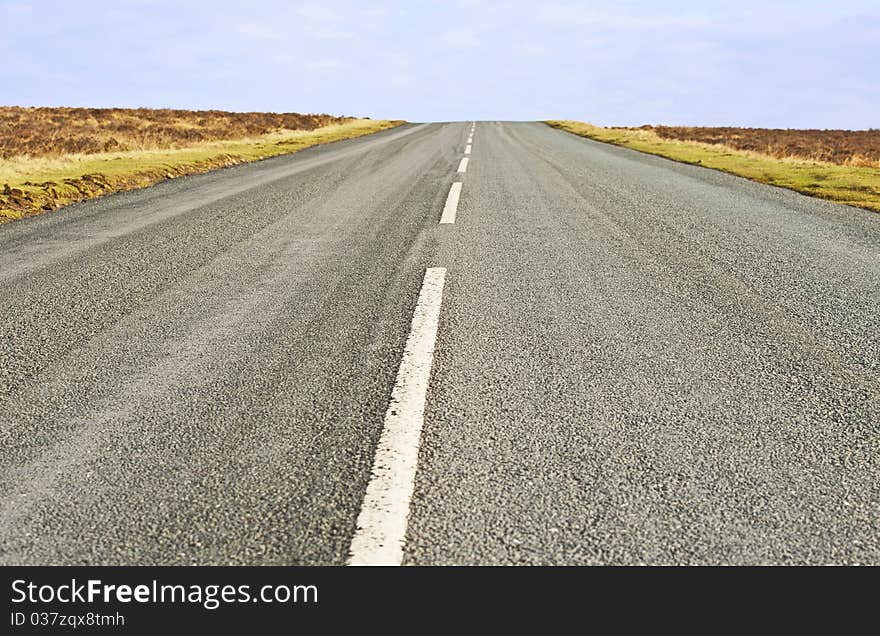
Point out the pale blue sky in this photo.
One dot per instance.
(773, 63)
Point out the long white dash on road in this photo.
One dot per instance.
(451, 206)
(467, 149)
(471, 139)
(462, 167)
(381, 525)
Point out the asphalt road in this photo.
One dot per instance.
(637, 361)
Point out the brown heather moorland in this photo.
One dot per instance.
(838, 165)
(50, 157)
(51, 132)
(842, 147)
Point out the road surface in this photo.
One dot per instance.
(610, 358)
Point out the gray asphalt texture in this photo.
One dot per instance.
(638, 361)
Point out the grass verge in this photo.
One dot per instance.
(851, 185)
(32, 185)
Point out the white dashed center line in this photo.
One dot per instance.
(467, 149)
(451, 206)
(462, 167)
(381, 525)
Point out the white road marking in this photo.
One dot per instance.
(381, 525)
(470, 140)
(451, 206)
(462, 167)
(467, 149)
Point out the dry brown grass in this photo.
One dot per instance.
(847, 180)
(859, 148)
(52, 132)
(50, 157)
